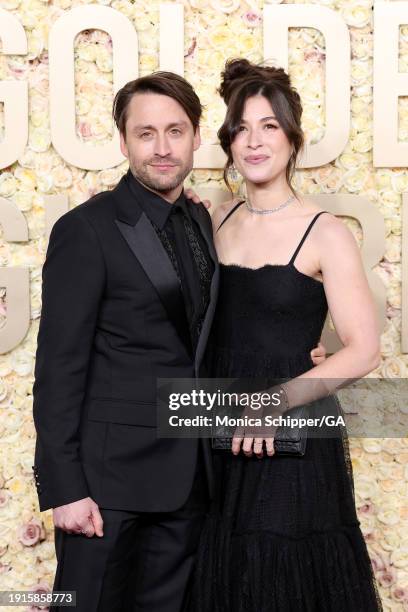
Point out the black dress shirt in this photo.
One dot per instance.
(186, 248)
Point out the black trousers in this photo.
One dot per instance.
(143, 561)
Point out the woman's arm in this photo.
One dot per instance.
(355, 319)
(353, 313)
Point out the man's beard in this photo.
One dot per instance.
(141, 173)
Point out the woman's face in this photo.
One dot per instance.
(260, 150)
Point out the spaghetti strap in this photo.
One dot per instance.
(230, 213)
(305, 236)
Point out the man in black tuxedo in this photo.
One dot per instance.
(129, 289)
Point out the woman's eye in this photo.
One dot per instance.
(241, 128)
(271, 125)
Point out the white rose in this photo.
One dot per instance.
(354, 179)
(5, 365)
(38, 119)
(23, 199)
(148, 63)
(389, 342)
(366, 485)
(62, 177)
(104, 59)
(43, 163)
(125, 7)
(399, 182)
(45, 183)
(390, 203)
(85, 51)
(35, 44)
(350, 160)
(26, 178)
(362, 46)
(82, 105)
(27, 159)
(372, 445)
(40, 139)
(109, 177)
(393, 249)
(394, 367)
(360, 72)
(383, 182)
(357, 15)
(362, 143)
(394, 293)
(10, 5)
(22, 362)
(362, 120)
(225, 6)
(389, 513)
(399, 557)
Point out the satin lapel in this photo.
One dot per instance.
(146, 246)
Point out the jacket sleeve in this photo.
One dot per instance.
(73, 284)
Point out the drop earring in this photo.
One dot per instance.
(233, 174)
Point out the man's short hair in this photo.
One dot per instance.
(160, 82)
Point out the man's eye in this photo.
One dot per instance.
(176, 131)
(145, 135)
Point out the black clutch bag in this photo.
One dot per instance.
(287, 440)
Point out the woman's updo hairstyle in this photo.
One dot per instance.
(241, 80)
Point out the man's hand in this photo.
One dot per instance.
(318, 354)
(81, 516)
(191, 195)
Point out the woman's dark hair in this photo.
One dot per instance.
(160, 82)
(241, 80)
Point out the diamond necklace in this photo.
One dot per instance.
(267, 211)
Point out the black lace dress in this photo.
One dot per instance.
(282, 533)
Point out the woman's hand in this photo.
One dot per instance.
(192, 195)
(251, 438)
(318, 354)
(252, 445)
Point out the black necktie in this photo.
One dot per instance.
(190, 280)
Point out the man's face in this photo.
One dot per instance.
(159, 142)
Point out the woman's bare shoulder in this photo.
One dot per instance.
(308, 205)
(331, 232)
(223, 210)
(311, 208)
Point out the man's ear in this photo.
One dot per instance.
(197, 138)
(123, 146)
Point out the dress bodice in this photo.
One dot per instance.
(267, 319)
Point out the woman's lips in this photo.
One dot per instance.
(256, 159)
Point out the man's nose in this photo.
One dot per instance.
(162, 145)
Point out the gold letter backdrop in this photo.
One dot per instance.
(60, 64)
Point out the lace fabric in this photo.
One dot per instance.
(282, 532)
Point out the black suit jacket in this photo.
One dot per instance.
(113, 320)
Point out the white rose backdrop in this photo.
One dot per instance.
(214, 30)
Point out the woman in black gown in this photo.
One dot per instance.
(282, 533)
